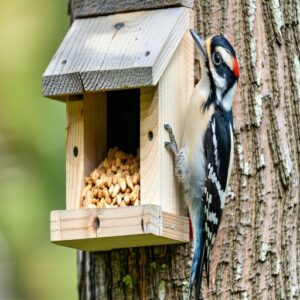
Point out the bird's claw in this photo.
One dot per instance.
(172, 145)
(167, 145)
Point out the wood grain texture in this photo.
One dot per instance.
(174, 90)
(150, 151)
(165, 104)
(86, 132)
(110, 228)
(74, 164)
(95, 133)
(115, 52)
(88, 8)
(256, 254)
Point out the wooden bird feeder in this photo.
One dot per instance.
(122, 77)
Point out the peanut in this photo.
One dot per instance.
(112, 152)
(115, 179)
(107, 200)
(95, 193)
(134, 194)
(95, 175)
(111, 190)
(105, 192)
(129, 182)
(93, 201)
(88, 180)
(110, 173)
(122, 183)
(102, 203)
(106, 164)
(127, 199)
(114, 168)
(101, 170)
(121, 155)
(115, 182)
(132, 201)
(115, 191)
(109, 181)
(118, 162)
(122, 204)
(119, 199)
(106, 180)
(135, 178)
(99, 183)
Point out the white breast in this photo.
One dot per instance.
(195, 127)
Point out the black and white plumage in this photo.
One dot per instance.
(203, 163)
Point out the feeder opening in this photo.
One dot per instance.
(123, 120)
(115, 182)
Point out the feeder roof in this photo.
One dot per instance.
(115, 52)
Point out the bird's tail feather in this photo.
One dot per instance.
(199, 280)
(197, 265)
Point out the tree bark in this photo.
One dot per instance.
(256, 254)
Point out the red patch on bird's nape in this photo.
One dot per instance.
(236, 68)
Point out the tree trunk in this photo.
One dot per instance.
(256, 255)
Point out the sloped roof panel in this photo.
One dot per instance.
(115, 52)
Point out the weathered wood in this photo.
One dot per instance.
(86, 142)
(88, 8)
(112, 228)
(116, 51)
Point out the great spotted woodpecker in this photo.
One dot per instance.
(203, 164)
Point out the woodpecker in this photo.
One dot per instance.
(203, 163)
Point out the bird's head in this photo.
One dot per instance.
(219, 61)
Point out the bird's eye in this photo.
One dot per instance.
(217, 59)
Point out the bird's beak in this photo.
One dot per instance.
(200, 43)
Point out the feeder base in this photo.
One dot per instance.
(113, 228)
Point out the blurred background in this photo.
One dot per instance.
(32, 154)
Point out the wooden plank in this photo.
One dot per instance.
(110, 243)
(174, 227)
(88, 8)
(112, 228)
(74, 153)
(95, 138)
(149, 147)
(116, 51)
(174, 91)
(86, 142)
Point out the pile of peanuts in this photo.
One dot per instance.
(115, 183)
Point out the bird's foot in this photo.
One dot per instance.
(172, 145)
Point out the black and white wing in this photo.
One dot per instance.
(218, 145)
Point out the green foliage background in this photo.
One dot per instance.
(32, 154)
